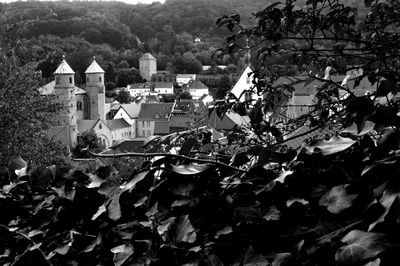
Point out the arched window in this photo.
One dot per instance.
(79, 106)
(99, 79)
(100, 126)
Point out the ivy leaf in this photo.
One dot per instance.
(338, 199)
(121, 254)
(253, 259)
(150, 140)
(367, 3)
(353, 129)
(387, 200)
(188, 145)
(132, 183)
(327, 147)
(190, 169)
(360, 247)
(114, 208)
(184, 231)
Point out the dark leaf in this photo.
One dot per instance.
(188, 145)
(360, 247)
(327, 147)
(254, 259)
(114, 207)
(184, 231)
(121, 254)
(190, 169)
(338, 199)
(137, 178)
(150, 140)
(354, 130)
(367, 3)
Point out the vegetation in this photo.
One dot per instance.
(246, 201)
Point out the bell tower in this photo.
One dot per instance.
(64, 91)
(95, 90)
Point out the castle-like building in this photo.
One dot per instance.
(83, 109)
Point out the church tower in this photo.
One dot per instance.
(95, 90)
(147, 66)
(64, 91)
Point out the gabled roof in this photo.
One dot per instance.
(132, 109)
(115, 124)
(48, 89)
(64, 68)
(94, 68)
(87, 125)
(147, 56)
(237, 89)
(197, 84)
(149, 111)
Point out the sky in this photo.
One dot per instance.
(126, 1)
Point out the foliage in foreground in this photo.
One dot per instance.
(334, 203)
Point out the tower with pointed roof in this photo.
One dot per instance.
(95, 90)
(147, 66)
(64, 91)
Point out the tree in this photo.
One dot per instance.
(184, 95)
(92, 35)
(25, 115)
(109, 76)
(123, 97)
(87, 140)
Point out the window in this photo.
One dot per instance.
(99, 79)
(79, 106)
(148, 133)
(148, 123)
(157, 115)
(248, 80)
(143, 133)
(70, 80)
(100, 126)
(142, 123)
(57, 80)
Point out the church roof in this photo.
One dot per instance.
(48, 89)
(147, 56)
(94, 68)
(63, 68)
(115, 124)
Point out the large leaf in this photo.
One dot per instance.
(184, 231)
(353, 129)
(338, 199)
(361, 246)
(387, 200)
(254, 259)
(190, 169)
(188, 145)
(114, 208)
(327, 147)
(132, 183)
(121, 254)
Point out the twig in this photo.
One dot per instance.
(135, 154)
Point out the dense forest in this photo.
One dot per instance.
(118, 34)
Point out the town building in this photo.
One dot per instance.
(147, 66)
(152, 117)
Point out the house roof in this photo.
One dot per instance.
(87, 125)
(168, 85)
(149, 111)
(161, 128)
(48, 89)
(94, 68)
(115, 124)
(64, 68)
(197, 84)
(147, 56)
(132, 109)
(181, 122)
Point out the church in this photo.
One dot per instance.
(82, 109)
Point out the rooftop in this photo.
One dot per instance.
(147, 56)
(64, 68)
(94, 68)
(155, 111)
(115, 124)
